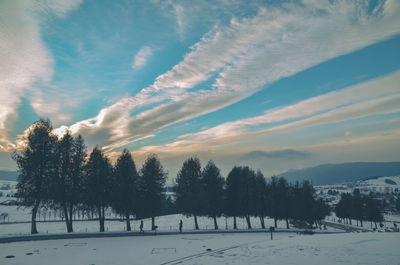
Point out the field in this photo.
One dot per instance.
(254, 248)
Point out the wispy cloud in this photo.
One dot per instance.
(24, 59)
(246, 55)
(142, 57)
(346, 104)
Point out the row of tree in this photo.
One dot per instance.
(359, 207)
(57, 174)
(245, 193)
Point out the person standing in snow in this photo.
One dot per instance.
(141, 225)
(180, 226)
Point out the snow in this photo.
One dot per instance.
(251, 248)
(360, 248)
(164, 223)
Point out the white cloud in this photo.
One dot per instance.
(354, 102)
(246, 55)
(364, 92)
(142, 57)
(24, 59)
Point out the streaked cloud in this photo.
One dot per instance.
(333, 107)
(245, 55)
(25, 62)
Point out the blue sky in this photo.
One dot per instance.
(300, 82)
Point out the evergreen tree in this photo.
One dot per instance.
(37, 164)
(212, 184)
(398, 203)
(373, 211)
(357, 206)
(249, 194)
(67, 186)
(98, 183)
(321, 210)
(343, 209)
(262, 198)
(234, 186)
(274, 198)
(189, 192)
(283, 200)
(151, 182)
(241, 194)
(125, 191)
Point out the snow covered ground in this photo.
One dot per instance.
(253, 248)
(164, 223)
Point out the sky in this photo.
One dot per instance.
(276, 85)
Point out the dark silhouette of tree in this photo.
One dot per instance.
(304, 208)
(320, 211)
(274, 198)
(373, 212)
(125, 191)
(283, 200)
(343, 209)
(262, 199)
(241, 194)
(67, 186)
(398, 204)
(37, 164)
(233, 189)
(248, 195)
(189, 192)
(357, 206)
(98, 183)
(213, 185)
(152, 179)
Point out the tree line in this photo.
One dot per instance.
(245, 193)
(359, 207)
(59, 174)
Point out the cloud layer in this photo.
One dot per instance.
(244, 55)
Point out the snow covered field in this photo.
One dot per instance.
(164, 223)
(253, 248)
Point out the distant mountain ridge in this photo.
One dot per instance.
(327, 174)
(8, 175)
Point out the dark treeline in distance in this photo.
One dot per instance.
(359, 207)
(58, 174)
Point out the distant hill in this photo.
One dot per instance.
(8, 175)
(337, 173)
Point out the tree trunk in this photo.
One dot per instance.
(196, 225)
(361, 223)
(234, 223)
(215, 223)
(128, 222)
(33, 223)
(248, 222)
(66, 217)
(262, 222)
(376, 227)
(350, 221)
(71, 209)
(287, 223)
(153, 225)
(101, 220)
(275, 222)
